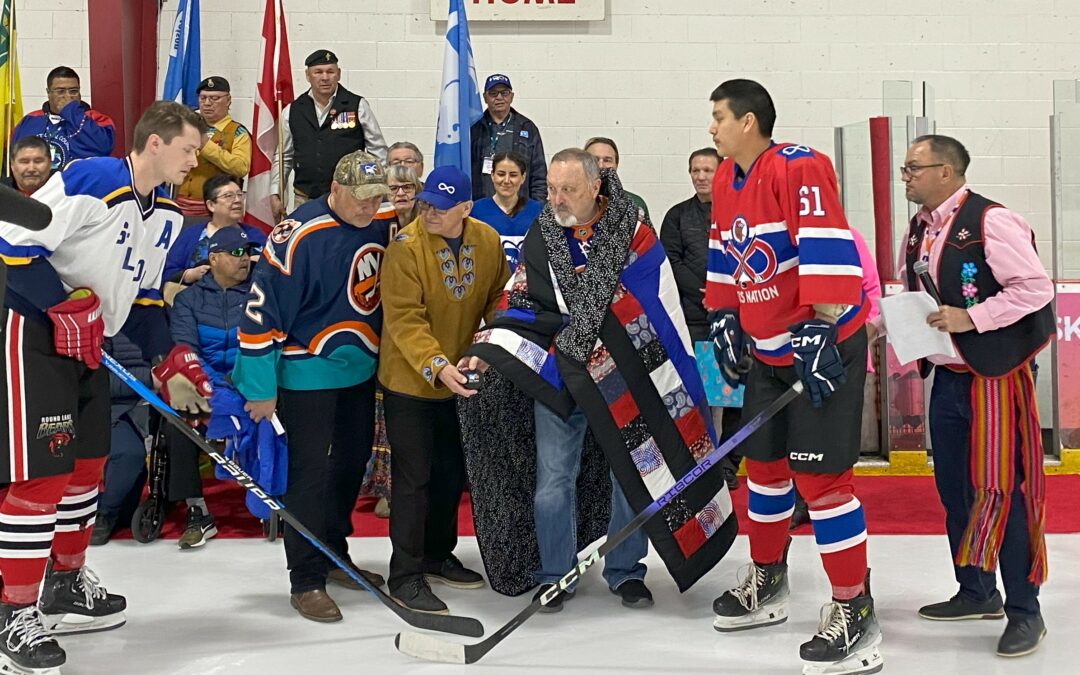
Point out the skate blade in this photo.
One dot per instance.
(76, 624)
(759, 619)
(864, 662)
(9, 667)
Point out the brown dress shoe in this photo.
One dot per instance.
(339, 577)
(316, 606)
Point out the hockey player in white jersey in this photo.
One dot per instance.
(93, 272)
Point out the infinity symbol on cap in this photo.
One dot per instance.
(447, 188)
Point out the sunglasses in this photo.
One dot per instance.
(237, 252)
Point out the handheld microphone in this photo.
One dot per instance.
(922, 270)
(22, 211)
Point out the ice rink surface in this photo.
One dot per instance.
(225, 609)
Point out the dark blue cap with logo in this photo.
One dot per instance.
(446, 187)
(495, 80)
(229, 239)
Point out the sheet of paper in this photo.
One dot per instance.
(905, 322)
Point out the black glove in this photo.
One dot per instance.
(817, 360)
(727, 337)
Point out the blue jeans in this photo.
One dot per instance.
(558, 462)
(125, 468)
(950, 424)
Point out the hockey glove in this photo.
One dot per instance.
(817, 360)
(727, 337)
(78, 329)
(184, 385)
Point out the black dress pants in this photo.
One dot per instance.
(329, 432)
(427, 475)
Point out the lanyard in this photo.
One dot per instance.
(498, 132)
(931, 235)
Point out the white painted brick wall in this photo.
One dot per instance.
(643, 75)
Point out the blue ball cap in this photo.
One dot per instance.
(229, 239)
(446, 187)
(497, 79)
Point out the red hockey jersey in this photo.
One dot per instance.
(778, 244)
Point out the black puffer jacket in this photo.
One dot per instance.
(685, 236)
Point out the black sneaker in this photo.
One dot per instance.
(25, 643)
(555, 604)
(200, 529)
(104, 524)
(959, 608)
(415, 594)
(1022, 636)
(452, 573)
(634, 593)
(847, 639)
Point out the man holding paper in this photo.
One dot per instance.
(984, 423)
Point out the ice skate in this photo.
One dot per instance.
(847, 640)
(760, 599)
(26, 648)
(75, 602)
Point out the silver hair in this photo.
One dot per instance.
(406, 145)
(587, 161)
(403, 174)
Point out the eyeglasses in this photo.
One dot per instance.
(73, 91)
(213, 99)
(425, 207)
(229, 196)
(500, 93)
(241, 252)
(407, 162)
(402, 188)
(909, 170)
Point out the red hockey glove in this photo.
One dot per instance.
(78, 329)
(184, 385)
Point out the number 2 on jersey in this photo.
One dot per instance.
(807, 192)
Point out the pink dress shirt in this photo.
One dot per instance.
(1026, 287)
(871, 284)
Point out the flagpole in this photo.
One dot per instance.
(281, 155)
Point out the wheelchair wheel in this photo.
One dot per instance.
(148, 519)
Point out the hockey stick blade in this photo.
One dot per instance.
(445, 623)
(432, 648)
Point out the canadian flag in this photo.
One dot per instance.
(273, 93)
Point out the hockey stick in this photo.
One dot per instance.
(459, 625)
(431, 648)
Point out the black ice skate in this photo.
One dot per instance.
(847, 639)
(26, 648)
(760, 599)
(74, 602)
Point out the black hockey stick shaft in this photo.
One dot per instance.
(459, 625)
(430, 648)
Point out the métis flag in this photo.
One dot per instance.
(185, 56)
(459, 103)
(273, 92)
(11, 110)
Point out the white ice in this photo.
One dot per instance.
(225, 609)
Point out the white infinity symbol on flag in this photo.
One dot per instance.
(447, 188)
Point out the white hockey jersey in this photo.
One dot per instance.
(101, 237)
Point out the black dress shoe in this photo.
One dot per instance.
(556, 603)
(1022, 636)
(416, 595)
(959, 608)
(634, 593)
(452, 573)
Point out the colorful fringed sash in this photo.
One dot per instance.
(1000, 407)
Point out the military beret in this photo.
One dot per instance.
(323, 57)
(214, 83)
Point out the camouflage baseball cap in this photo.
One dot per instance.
(362, 173)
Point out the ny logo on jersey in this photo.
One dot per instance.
(363, 288)
(755, 259)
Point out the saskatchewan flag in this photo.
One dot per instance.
(10, 89)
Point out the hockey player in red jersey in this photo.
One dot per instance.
(784, 283)
(94, 271)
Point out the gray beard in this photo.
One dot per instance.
(568, 221)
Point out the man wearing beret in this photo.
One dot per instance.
(227, 148)
(321, 126)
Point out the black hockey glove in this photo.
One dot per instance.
(817, 360)
(728, 344)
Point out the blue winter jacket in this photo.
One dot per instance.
(205, 317)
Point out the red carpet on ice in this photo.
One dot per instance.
(894, 505)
